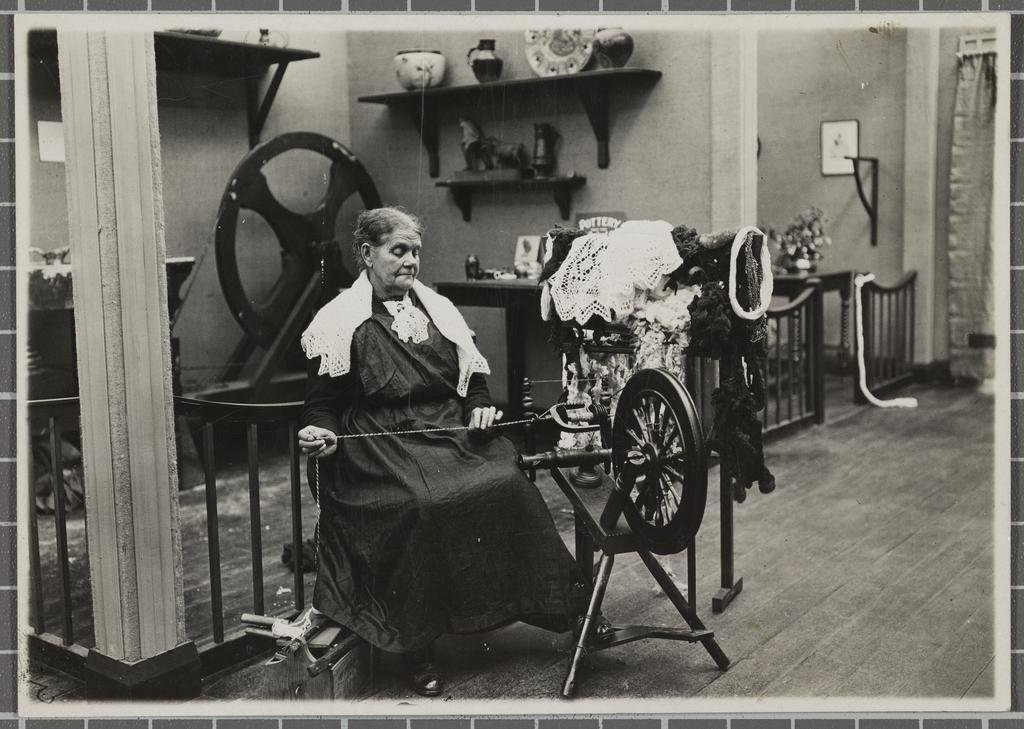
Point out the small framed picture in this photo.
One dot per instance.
(839, 140)
(528, 249)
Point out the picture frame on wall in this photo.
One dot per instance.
(839, 140)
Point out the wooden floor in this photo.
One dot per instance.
(868, 572)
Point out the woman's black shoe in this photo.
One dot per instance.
(421, 674)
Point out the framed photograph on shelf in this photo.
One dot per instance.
(839, 140)
(527, 260)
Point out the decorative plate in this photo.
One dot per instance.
(558, 51)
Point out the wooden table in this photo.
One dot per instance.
(520, 298)
(50, 290)
(790, 285)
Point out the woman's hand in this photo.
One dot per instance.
(483, 418)
(317, 442)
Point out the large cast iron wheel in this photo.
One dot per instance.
(660, 461)
(304, 238)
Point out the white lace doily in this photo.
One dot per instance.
(410, 323)
(605, 272)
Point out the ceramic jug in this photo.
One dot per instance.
(486, 66)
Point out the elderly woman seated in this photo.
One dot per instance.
(433, 529)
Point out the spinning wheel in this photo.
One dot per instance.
(658, 454)
(309, 250)
(659, 486)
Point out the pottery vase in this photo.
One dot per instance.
(485, 64)
(612, 48)
(419, 69)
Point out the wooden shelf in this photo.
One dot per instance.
(190, 53)
(193, 53)
(591, 87)
(561, 188)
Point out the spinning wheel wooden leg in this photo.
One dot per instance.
(584, 552)
(604, 571)
(684, 608)
(731, 586)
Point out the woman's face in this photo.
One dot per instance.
(393, 266)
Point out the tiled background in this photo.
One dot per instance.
(8, 654)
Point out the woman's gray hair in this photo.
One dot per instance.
(375, 227)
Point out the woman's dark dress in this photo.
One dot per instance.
(429, 533)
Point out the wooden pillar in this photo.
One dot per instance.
(733, 129)
(919, 168)
(108, 101)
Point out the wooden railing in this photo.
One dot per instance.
(58, 602)
(794, 368)
(64, 646)
(888, 350)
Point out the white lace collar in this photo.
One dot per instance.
(329, 336)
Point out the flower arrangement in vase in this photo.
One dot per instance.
(801, 242)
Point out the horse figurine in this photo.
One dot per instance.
(485, 153)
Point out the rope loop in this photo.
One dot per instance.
(899, 402)
(767, 279)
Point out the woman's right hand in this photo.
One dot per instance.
(317, 442)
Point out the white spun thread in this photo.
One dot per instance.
(897, 402)
(767, 279)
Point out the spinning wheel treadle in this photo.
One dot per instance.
(305, 240)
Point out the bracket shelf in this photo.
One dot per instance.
(561, 189)
(191, 53)
(591, 87)
(870, 206)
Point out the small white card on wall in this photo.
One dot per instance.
(51, 141)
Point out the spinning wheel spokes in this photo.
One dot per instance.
(658, 450)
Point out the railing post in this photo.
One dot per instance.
(861, 350)
(817, 348)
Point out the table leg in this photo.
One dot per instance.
(515, 346)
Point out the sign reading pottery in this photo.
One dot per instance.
(419, 69)
(599, 222)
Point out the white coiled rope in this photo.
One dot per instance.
(897, 402)
(767, 280)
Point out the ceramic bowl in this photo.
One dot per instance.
(419, 69)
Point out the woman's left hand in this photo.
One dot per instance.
(484, 418)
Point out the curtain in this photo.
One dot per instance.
(971, 327)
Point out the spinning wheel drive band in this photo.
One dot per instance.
(304, 237)
(660, 461)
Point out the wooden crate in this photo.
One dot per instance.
(286, 677)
